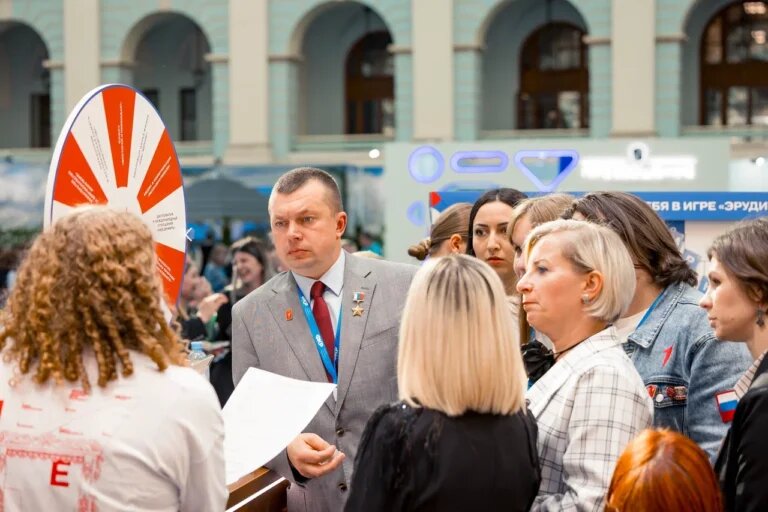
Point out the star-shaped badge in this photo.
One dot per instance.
(357, 311)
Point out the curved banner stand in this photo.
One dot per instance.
(114, 150)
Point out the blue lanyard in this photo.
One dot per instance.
(650, 309)
(330, 367)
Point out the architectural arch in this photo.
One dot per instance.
(25, 87)
(524, 74)
(168, 56)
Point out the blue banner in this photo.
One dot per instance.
(671, 206)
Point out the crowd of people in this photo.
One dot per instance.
(552, 353)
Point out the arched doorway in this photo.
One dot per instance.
(346, 77)
(535, 67)
(25, 88)
(370, 86)
(169, 66)
(733, 63)
(554, 79)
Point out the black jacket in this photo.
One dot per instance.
(417, 459)
(742, 464)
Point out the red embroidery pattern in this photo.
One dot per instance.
(84, 452)
(86, 503)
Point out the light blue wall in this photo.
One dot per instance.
(473, 26)
(45, 18)
(293, 23)
(501, 59)
(21, 54)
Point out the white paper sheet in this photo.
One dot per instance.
(264, 414)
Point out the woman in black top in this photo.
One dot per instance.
(461, 438)
(737, 306)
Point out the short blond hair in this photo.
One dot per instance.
(539, 210)
(458, 346)
(590, 247)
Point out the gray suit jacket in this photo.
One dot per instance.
(263, 337)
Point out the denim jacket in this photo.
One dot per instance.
(684, 366)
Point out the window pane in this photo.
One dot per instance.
(548, 112)
(737, 44)
(734, 14)
(352, 117)
(737, 106)
(376, 62)
(388, 117)
(188, 114)
(714, 104)
(713, 49)
(153, 96)
(758, 49)
(755, 8)
(569, 104)
(527, 112)
(560, 48)
(371, 116)
(760, 105)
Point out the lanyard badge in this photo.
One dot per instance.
(331, 366)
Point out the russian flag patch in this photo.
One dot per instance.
(726, 404)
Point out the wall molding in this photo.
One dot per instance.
(672, 38)
(53, 64)
(595, 41)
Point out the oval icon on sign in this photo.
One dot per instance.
(473, 162)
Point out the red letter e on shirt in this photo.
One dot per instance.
(56, 472)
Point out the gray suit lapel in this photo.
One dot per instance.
(296, 331)
(356, 273)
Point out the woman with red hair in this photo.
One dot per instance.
(663, 470)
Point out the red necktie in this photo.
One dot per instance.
(323, 319)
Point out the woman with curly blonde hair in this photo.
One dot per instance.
(148, 436)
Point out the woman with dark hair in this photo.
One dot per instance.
(736, 304)
(664, 331)
(249, 271)
(488, 239)
(660, 471)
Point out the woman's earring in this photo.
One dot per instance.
(585, 299)
(760, 317)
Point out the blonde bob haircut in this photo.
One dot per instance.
(458, 349)
(591, 247)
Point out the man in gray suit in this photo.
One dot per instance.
(333, 317)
